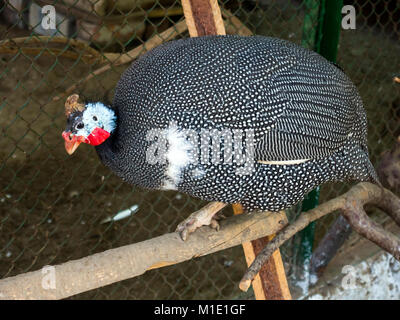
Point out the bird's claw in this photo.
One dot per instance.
(192, 223)
(206, 216)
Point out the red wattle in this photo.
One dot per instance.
(98, 136)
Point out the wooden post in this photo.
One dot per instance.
(203, 17)
(270, 283)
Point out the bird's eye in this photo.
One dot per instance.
(94, 118)
(80, 125)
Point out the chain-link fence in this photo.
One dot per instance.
(54, 208)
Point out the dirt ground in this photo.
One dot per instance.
(52, 205)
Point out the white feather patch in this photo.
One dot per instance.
(178, 156)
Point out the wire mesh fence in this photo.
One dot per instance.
(54, 208)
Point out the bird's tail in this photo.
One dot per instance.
(373, 176)
(365, 171)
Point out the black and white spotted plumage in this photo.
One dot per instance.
(308, 121)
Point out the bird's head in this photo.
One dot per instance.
(90, 123)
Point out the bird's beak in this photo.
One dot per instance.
(72, 142)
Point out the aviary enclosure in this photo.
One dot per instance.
(55, 208)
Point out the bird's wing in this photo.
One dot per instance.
(317, 110)
(305, 109)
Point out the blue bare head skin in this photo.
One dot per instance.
(96, 114)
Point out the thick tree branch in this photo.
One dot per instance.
(351, 205)
(358, 219)
(126, 262)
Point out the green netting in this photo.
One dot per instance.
(52, 206)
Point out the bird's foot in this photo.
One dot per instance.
(206, 216)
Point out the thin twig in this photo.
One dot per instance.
(116, 59)
(76, 48)
(169, 34)
(233, 22)
(53, 52)
(92, 17)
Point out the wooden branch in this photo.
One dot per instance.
(355, 214)
(76, 48)
(126, 262)
(79, 44)
(250, 255)
(351, 205)
(234, 25)
(119, 59)
(91, 55)
(113, 59)
(93, 17)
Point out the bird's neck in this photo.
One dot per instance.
(106, 151)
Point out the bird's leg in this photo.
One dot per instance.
(206, 216)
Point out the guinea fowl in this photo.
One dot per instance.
(252, 120)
